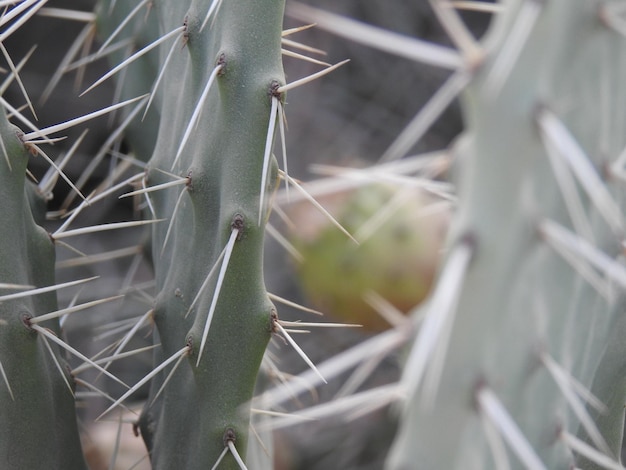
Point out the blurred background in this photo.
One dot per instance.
(348, 118)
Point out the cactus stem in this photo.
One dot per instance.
(234, 234)
(509, 52)
(565, 382)
(172, 218)
(79, 120)
(51, 336)
(70, 310)
(103, 228)
(198, 109)
(310, 78)
(215, 4)
(378, 38)
(278, 328)
(557, 135)
(594, 455)
(318, 206)
(267, 153)
(117, 30)
(427, 115)
(6, 381)
(43, 290)
(494, 411)
(559, 237)
(14, 72)
(430, 346)
(57, 364)
(180, 353)
(178, 31)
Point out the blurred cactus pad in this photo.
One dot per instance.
(482, 247)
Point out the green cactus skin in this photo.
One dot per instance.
(520, 301)
(205, 401)
(38, 416)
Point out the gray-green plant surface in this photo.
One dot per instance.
(517, 359)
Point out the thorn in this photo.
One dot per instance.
(215, 4)
(433, 335)
(70, 310)
(15, 73)
(282, 119)
(182, 352)
(218, 287)
(60, 172)
(158, 187)
(167, 379)
(114, 357)
(238, 459)
(319, 207)
(310, 78)
(378, 38)
(205, 283)
(220, 458)
(302, 47)
(79, 120)
(290, 31)
(100, 257)
(565, 382)
(173, 217)
(493, 409)
(134, 57)
(289, 303)
(57, 364)
(306, 58)
(300, 352)
(22, 63)
(282, 241)
(584, 449)
(267, 154)
(508, 54)
(427, 115)
(95, 389)
(93, 198)
(486, 7)
(5, 285)
(573, 154)
(43, 290)
(25, 17)
(48, 334)
(67, 14)
(157, 82)
(6, 381)
(117, 30)
(103, 228)
(49, 180)
(196, 112)
(556, 235)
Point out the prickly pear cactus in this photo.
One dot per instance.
(36, 387)
(526, 324)
(217, 101)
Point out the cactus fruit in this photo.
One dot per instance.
(396, 257)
